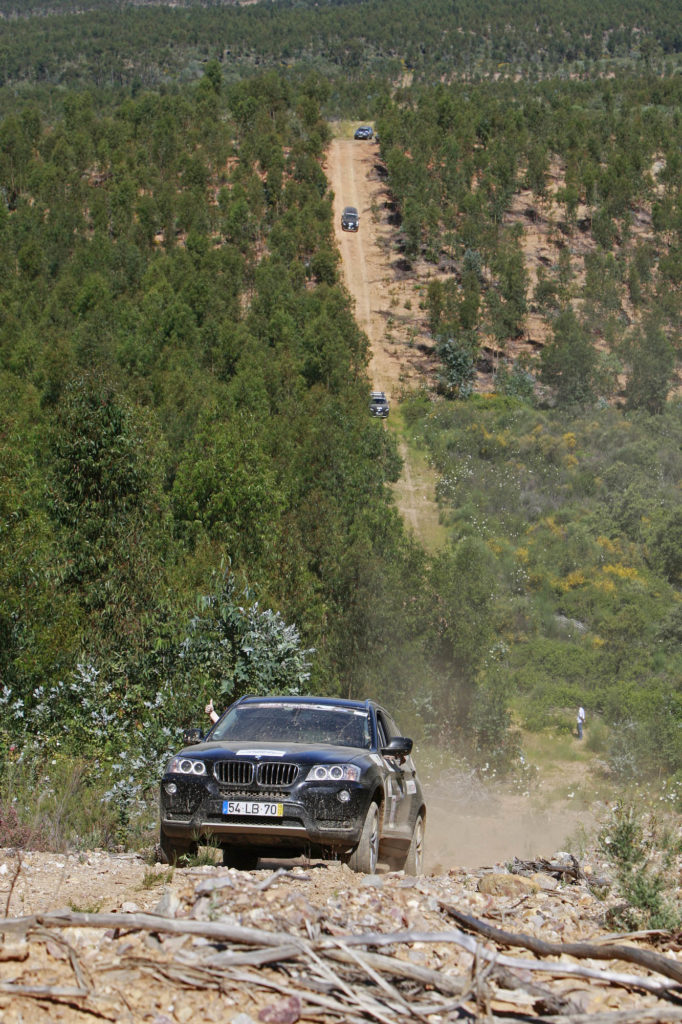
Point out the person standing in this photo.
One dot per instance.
(580, 721)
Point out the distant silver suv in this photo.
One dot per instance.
(378, 404)
(350, 219)
(363, 132)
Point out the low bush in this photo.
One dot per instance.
(645, 856)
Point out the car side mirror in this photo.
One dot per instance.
(399, 746)
(191, 736)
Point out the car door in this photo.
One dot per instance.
(399, 780)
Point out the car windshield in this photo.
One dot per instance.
(295, 723)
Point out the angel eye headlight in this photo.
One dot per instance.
(186, 766)
(334, 773)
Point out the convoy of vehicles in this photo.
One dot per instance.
(285, 776)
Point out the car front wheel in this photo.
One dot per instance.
(366, 854)
(172, 849)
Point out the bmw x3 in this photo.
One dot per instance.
(285, 776)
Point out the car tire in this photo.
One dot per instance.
(414, 862)
(365, 856)
(240, 858)
(171, 849)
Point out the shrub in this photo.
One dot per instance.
(459, 371)
(643, 855)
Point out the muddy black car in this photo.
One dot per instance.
(350, 219)
(378, 404)
(288, 776)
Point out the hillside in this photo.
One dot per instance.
(194, 501)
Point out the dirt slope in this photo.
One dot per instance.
(353, 176)
(387, 309)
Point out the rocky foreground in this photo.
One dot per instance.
(100, 937)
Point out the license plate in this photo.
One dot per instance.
(258, 809)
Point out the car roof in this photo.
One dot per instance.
(332, 702)
(378, 394)
(350, 209)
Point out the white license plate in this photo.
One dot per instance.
(258, 809)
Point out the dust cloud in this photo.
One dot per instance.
(489, 825)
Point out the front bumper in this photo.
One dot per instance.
(313, 815)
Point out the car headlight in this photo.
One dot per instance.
(186, 766)
(334, 773)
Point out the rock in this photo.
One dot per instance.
(285, 1011)
(372, 882)
(168, 905)
(507, 885)
(129, 907)
(547, 882)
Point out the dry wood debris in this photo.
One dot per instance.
(319, 943)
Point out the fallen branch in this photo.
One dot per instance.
(224, 932)
(70, 996)
(150, 923)
(561, 869)
(655, 962)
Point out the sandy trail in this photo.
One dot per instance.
(384, 298)
(353, 176)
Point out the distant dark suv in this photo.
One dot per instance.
(364, 132)
(378, 404)
(350, 219)
(284, 776)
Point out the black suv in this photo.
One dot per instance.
(363, 132)
(378, 404)
(284, 776)
(350, 219)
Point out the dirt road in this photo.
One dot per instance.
(352, 173)
(387, 301)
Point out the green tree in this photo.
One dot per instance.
(652, 362)
(568, 364)
(107, 498)
(233, 647)
(463, 586)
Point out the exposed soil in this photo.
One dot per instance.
(401, 351)
(159, 959)
(387, 300)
